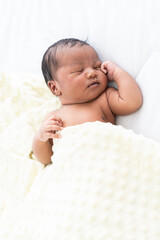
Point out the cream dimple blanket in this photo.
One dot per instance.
(104, 184)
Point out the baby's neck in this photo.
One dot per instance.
(76, 105)
(70, 103)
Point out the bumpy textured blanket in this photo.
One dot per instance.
(103, 183)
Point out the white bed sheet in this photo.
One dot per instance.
(124, 31)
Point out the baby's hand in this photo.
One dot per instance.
(109, 68)
(49, 128)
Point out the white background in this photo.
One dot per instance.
(124, 31)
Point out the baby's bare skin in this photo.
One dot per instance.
(81, 85)
(85, 112)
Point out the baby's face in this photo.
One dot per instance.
(79, 77)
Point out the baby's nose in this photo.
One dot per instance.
(91, 73)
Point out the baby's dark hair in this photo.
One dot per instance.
(50, 61)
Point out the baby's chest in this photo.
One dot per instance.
(81, 115)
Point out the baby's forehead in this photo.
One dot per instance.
(77, 48)
(76, 54)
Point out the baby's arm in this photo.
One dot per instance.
(42, 142)
(128, 98)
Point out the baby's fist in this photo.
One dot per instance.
(109, 68)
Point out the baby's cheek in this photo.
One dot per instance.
(105, 80)
(104, 75)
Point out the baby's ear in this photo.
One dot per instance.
(52, 85)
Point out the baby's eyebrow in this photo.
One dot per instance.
(77, 63)
(99, 62)
(81, 63)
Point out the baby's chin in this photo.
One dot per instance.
(97, 91)
(95, 96)
(89, 96)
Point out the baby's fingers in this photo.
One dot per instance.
(53, 135)
(53, 128)
(54, 123)
(56, 119)
(57, 135)
(103, 68)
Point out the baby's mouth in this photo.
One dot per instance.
(95, 83)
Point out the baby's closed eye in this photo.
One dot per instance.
(97, 68)
(77, 71)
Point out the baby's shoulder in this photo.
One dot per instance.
(102, 98)
(109, 90)
(52, 113)
(105, 96)
(105, 106)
